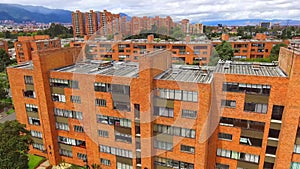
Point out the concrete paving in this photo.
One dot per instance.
(44, 165)
(4, 118)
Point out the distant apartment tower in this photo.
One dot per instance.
(4, 45)
(78, 23)
(91, 25)
(109, 23)
(266, 25)
(198, 28)
(186, 27)
(27, 44)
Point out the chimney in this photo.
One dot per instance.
(188, 38)
(117, 37)
(150, 38)
(260, 36)
(225, 37)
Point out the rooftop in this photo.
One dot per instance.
(106, 68)
(187, 73)
(250, 68)
(25, 65)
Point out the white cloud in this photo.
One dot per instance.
(195, 10)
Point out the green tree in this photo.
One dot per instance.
(67, 45)
(14, 145)
(214, 58)
(95, 166)
(275, 51)
(4, 86)
(7, 34)
(4, 60)
(225, 50)
(176, 33)
(162, 30)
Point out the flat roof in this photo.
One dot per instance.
(106, 68)
(250, 68)
(187, 73)
(249, 40)
(25, 65)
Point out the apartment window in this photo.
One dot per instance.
(82, 156)
(178, 95)
(222, 166)
(29, 93)
(256, 107)
(68, 113)
(123, 137)
(115, 151)
(268, 165)
(249, 157)
(200, 47)
(277, 112)
(295, 165)
(104, 161)
(245, 124)
(62, 126)
(122, 106)
(175, 131)
(297, 148)
(188, 149)
(163, 111)
(251, 141)
(225, 136)
(78, 129)
(189, 114)
(38, 146)
(71, 141)
(170, 163)
(36, 134)
(58, 97)
(63, 83)
(28, 80)
(238, 155)
(103, 133)
(34, 121)
(102, 87)
(123, 166)
(274, 133)
(248, 88)
(31, 108)
(271, 150)
(163, 145)
(67, 153)
(100, 102)
(75, 99)
(228, 103)
(113, 121)
(223, 153)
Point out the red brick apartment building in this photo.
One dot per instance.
(152, 114)
(130, 50)
(259, 47)
(111, 24)
(4, 45)
(27, 44)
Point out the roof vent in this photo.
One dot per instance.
(227, 64)
(255, 67)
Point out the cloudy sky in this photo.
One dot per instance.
(195, 10)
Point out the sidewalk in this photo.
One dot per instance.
(4, 117)
(44, 165)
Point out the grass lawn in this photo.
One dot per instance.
(10, 111)
(34, 161)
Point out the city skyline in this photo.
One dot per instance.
(196, 11)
